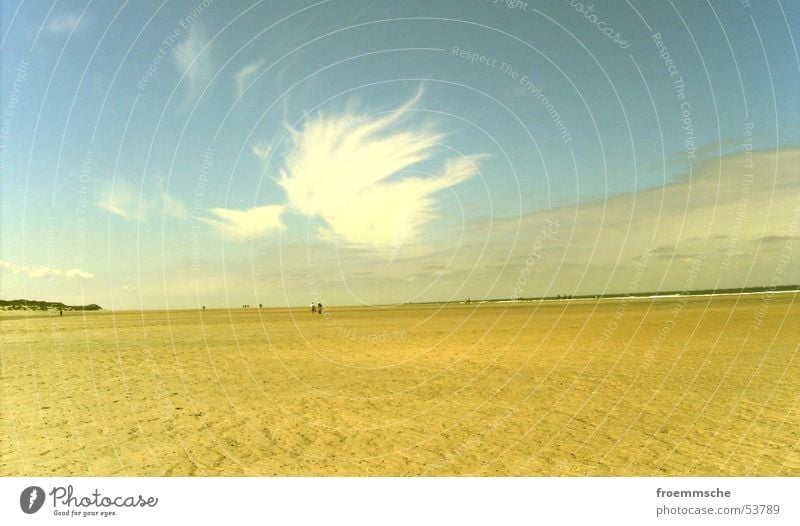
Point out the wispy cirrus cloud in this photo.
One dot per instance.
(241, 225)
(193, 60)
(65, 23)
(262, 151)
(246, 74)
(46, 272)
(173, 207)
(123, 200)
(131, 203)
(345, 169)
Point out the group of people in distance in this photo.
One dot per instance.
(316, 307)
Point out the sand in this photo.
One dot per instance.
(699, 386)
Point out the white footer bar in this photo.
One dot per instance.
(402, 501)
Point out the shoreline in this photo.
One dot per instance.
(7, 314)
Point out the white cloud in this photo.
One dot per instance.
(193, 60)
(173, 207)
(123, 200)
(344, 169)
(244, 76)
(46, 272)
(240, 225)
(263, 152)
(65, 23)
(130, 203)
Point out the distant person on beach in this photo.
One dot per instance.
(319, 308)
(313, 308)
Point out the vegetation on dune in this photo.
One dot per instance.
(43, 305)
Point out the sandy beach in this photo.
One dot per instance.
(677, 386)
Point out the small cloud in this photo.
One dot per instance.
(65, 23)
(126, 201)
(46, 272)
(244, 76)
(264, 152)
(240, 225)
(173, 207)
(73, 273)
(193, 60)
(123, 200)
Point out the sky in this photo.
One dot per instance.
(178, 154)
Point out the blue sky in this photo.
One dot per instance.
(220, 153)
